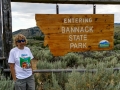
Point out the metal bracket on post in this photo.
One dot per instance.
(94, 9)
(57, 9)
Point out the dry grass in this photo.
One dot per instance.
(34, 63)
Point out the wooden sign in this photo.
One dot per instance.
(76, 32)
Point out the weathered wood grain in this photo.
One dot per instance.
(71, 1)
(76, 32)
(1, 49)
(7, 27)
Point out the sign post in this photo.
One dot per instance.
(1, 48)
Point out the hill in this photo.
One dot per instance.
(29, 32)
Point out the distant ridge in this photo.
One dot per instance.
(116, 23)
(29, 32)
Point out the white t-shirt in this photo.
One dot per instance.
(21, 58)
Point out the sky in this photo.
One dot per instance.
(23, 14)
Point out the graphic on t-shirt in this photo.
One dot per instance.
(25, 61)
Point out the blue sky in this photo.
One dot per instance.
(23, 14)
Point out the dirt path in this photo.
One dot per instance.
(34, 63)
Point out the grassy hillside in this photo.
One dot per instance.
(117, 27)
(103, 63)
(29, 32)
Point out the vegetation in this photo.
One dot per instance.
(103, 64)
(105, 77)
(6, 84)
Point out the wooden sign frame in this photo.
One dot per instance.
(76, 32)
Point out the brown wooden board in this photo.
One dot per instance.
(76, 32)
(71, 1)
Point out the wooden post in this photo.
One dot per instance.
(7, 29)
(57, 9)
(1, 49)
(94, 9)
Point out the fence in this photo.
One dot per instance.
(63, 70)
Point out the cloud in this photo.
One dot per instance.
(33, 8)
(109, 9)
(23, 14)
(75, 9)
